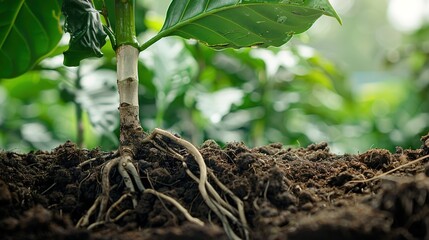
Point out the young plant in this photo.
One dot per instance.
(32, 31)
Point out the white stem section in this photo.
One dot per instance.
(128, 81)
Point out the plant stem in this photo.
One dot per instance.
(79, 112)
(125, 23)
(127, 60)
(127, 57)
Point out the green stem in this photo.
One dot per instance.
(79, 112)
(153, 40)
(125, 23)
(127, 54)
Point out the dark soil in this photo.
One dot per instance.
(301, 193)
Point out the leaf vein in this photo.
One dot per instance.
(11, 23)
(184, 10)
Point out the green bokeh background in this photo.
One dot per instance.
(358, 86)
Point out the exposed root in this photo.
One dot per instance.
(238, 202)
(227, 213)
(115, 205)
(130, 176)
(89, 161)
(177, 205)
(84, 220)
(221, 208)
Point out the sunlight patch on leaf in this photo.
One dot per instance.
(328, 98)
(214, 106)
(274, 61)
(173, 68)
(100, 100)
(38, 135)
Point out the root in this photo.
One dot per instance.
(226, 212)
(89, 161)
(177, 205)
(130, 176)
(84, 220)
(115, 205)
(221, 208)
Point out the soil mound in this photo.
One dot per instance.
(304, 193)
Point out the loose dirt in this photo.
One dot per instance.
(303, 193)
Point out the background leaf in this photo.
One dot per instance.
(236, 23)
(214, 106)
(295, 94)
(29, 30)
(173, 68)
(98, 97)
(86, 30)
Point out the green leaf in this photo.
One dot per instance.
(214, 106)
(173, 68)
(99, 98)
(29, 30)
(242, 23)
(83, 23)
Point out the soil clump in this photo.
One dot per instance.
(288, 193)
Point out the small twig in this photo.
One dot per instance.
(390, 171)
(266, 190)
(80, 165)
(49, 188)
(106, 156)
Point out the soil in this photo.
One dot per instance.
(288, 193)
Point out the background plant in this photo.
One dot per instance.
(303, 98)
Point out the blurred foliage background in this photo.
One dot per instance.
(357, 86)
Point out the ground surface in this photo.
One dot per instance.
(288, 193)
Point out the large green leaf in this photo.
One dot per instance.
(242, 23)
(29, 30)
(87, 35)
